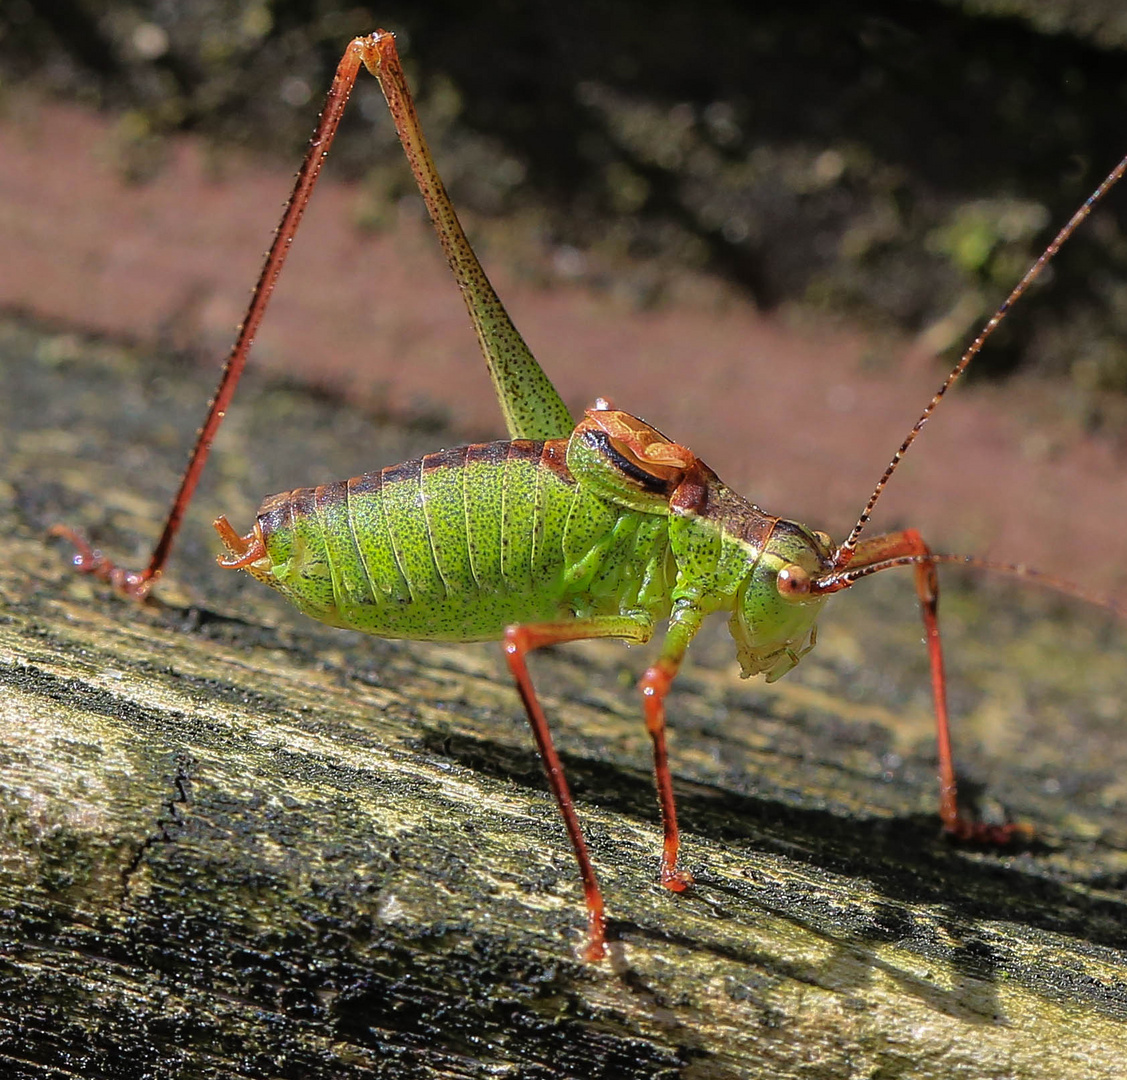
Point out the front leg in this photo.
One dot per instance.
(909, 543)
(655, 685)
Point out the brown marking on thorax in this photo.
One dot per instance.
(553, 457)
(703, 494)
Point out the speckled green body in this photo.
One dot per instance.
(461, 544)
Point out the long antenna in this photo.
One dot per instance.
(836, 581)
(844, 553)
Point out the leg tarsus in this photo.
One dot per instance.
(985, 835)
(88, 560)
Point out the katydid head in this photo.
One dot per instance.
(775, 602)
(773, 621)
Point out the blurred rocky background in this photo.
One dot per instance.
(901, 161)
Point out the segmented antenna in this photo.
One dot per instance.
(845, 578)
(844, 553)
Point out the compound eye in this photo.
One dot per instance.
(793, 581)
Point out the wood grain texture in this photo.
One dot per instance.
(235, 844)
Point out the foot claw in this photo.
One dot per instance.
(88, 560)
(979, 832)
(676, 880)
(594, 952)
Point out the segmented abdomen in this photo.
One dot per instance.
(456, 545)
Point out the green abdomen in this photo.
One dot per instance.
(460, 544)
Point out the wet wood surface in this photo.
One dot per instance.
(239, 844)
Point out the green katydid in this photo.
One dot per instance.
(565, 532)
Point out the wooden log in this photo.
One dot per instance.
(236, 844)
